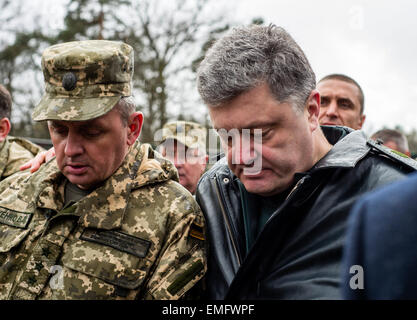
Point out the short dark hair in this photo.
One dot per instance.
(345, 78)
(5, 103)
(392, 135)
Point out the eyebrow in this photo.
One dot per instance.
(91, 125)
(254, 125)
(345, 100)
(82, 124)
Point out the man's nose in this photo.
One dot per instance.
(73, 145)
(332, 110)
(178, 158)
(243, 152)
(178, 162)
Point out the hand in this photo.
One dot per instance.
(40, 158)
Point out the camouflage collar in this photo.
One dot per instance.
(9, 154)
(104, 207)
(153, 168)
(349, 147)
(26, 191)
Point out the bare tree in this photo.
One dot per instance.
(168, 37)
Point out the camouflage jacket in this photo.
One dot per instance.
(13, 153)
(137, 236)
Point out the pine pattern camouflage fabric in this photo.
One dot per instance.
(84, 79)
(14, 152)
(191, 134)
(140, 235)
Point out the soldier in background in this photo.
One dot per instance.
(13, 151)
(393, 139)
(184, 143)
(108, 216)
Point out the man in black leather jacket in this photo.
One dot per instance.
(277, 205)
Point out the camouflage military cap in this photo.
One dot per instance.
(84, 79)
(191, 134)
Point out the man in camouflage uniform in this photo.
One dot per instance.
(94, 226)
(184, 143)
(13, 151)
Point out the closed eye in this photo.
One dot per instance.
(92, 133)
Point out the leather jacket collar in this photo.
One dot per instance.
(349, 146)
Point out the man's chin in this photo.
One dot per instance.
(259, 190)
(331, 124)
(265, 186)
(257, 186)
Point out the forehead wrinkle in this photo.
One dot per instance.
(329, 89)
(92, 124)
(80, 125)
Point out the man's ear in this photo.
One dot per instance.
(313, 109)
(362, 120)
(134, 127)
(4, 128)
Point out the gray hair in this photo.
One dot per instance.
(125, 106)
(392, 135)
(249, 56)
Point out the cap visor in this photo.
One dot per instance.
(72, 109)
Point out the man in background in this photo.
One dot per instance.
(393, 139)
(13, 151)
(342, 102)
(184, 143)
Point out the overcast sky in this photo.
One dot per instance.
(372, 41)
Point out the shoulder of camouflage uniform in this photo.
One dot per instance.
(188, 205)
(396, 156)
(28, 145)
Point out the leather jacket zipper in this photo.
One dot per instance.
(226, 219)
(295, 187)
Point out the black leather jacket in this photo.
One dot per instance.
(298, 253)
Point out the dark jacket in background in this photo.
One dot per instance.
(382, 240)
(298, 253)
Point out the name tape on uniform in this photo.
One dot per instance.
(118, 240)
(15, 218)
